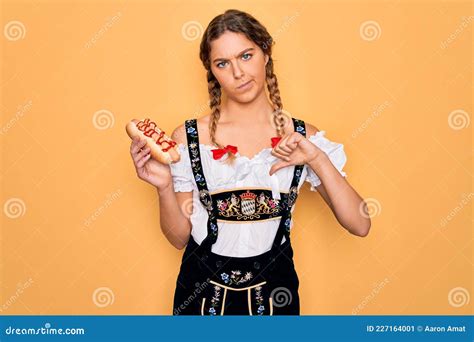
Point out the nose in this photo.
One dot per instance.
(237, 70)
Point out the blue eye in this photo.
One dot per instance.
(220, 64)
(245, 59)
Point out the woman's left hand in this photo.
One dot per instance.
(294, 149)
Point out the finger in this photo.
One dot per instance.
(282, 145)
(142, 161)
(135, 141)
(139, 145)
(279, 149)
(285, 148)
(293, 140)
(278, 166)
(285, 139)
(292, 144)
(281, 156)
(141, 154)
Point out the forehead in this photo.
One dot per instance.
(229, 44)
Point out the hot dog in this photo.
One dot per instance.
(162, 147)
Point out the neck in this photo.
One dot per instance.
(258, 111)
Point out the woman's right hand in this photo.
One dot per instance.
(149, 169)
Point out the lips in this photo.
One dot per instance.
(243, 85)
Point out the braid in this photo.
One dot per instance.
(215, 100)
(272, 85)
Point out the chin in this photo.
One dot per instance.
(246, 98)
(251, 94)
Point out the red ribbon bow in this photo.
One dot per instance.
(275, 141)
(219, 152)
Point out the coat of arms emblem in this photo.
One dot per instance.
(247, 203)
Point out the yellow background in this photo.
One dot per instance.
(386, 95)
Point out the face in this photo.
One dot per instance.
(236, 60)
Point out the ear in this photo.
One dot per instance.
(266, 59)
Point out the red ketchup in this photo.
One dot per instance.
(148, 127)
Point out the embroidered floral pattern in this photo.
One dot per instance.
(259, 300)
(236, 277)
(213, 228)
(247, 206)
(215, 300)
(293, 193)
(204, 196)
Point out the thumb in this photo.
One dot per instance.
(277, 166)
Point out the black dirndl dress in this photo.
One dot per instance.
(212, 284)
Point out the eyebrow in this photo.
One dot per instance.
(239, 54)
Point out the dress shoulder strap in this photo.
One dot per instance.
(300, 126)
(285, 222)
(198, 173)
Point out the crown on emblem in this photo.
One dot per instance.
(248, 195)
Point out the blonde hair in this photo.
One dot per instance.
(239, 22)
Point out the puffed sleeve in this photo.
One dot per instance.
(335, 152)
(181, 171)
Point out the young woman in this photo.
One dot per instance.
(241, 169)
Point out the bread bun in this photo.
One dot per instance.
(162, 147)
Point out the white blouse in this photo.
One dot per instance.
(244, 239)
